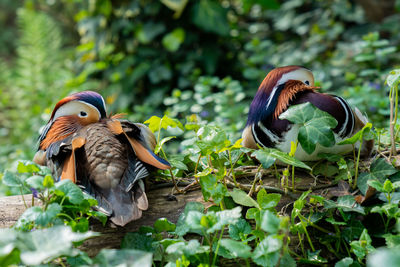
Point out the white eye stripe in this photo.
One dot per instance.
(86, 103)
(75, 108)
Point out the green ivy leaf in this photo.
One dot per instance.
(287, 260)
(315, 256)
(81, 259)
(79, 225)
(376, 184)
(42, 246)
(210, 187)
(358, 136)
(27, 167)
(332, 221)
(315, 125)
(264, 157)
(9, 255)
(147, 32)
(97, 214)
(157, 123)
(35, 181)
(30, 215)
(11, 179)
(195, 221)
(270, 222)
(176, 162)
(267, 253)
(255, 214)
(235, 249)
(210, 16)
(345, 262)
(379, 170)
(267, 201)
(363, 246)
(192, 247)
(240, 197)
(347, 203)
(161, 143)
(47, 216)
(71, 191)
(330, 157)
(181, 226)
(240, 229)
(173, 40)
(212, 139)
(163, 225)
(138, 241)
(384, 256)
(225, 217)
(393, 78)
(48, 181)
(267, 157)
(299, 205)
(388, 186)
(176, 5)
(123, 257)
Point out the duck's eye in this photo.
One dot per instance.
(307, 82)
(82, 114)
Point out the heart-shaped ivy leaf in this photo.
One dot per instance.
(314, 125)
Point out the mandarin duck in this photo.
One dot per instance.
(106, 156)
(292, 85)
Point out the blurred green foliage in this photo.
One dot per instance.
(31, 84)
(199, 63)
(203, 57)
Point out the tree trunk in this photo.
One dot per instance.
(377, 10)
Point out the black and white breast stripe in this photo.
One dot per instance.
(348, 125)
(263, 136)
(267, 138)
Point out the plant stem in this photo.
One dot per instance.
(357, 163)
(217, 248)
(393, 117)
(379, 142)
(301, 244)
(255, 180)
(307, 235)
(276, 172)
(61, 262)
(195, 168)
(23, 199)
(231, 169)
(65, 215)
(171, 173)
(314, 225)
(293, 178)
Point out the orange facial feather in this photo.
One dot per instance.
(61, 128)
(292, 87)
(117, 116)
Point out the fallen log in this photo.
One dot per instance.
(12, 207)
(161, 205)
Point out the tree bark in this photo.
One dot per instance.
(160, 206)
(377, 10)
(12, 207)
